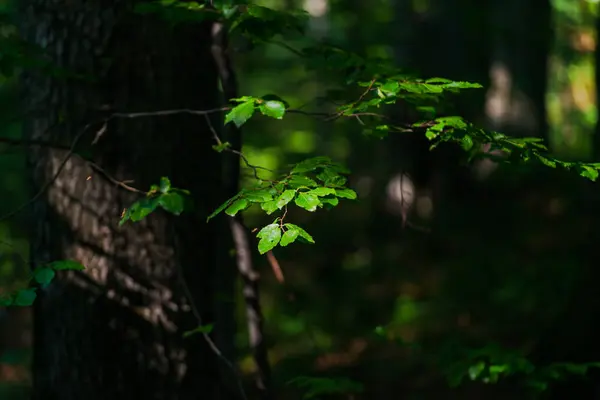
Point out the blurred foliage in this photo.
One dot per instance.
(571, 94)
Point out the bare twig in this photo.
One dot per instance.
(277, 271)
(254, 168)
(32, 143)
(108, 177)
(213, 346)
(165, 113)
(47, 185)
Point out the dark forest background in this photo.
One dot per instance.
(500, 258)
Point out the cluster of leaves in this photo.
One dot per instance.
(162, 195)
(326, 386)
(40, 276)
(254, 22)
(269, 105)
(311, 184)
(490, 363)
(477, 142)
(501, 148)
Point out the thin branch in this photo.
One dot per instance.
(254, 168)
(165, 113)
(47, 185)
(105, 175)
(213, 346)
(32, 143)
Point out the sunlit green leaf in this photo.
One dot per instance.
(237, 206)
(303, 234)
(172, 202)
(273, 109)
(258, 196)
(346, 193)
(269, 237)
(165, 184)
(289, 237)
(269, 206)
(221, 208)
(310, 164)
(285, 198)
(240, 113)
(307, 201)
(140, 209)
(322, 191)
(589, 172)
(298, 181)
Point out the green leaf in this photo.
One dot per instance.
(25, 297)
(165, 184)
(476, 370)
(172, 202)
(322, 191)
(307, 201)
(221, 208)
(311, 164)
(331, 201)
(297, 181)
(202, 329)
(240, 113)
(272, 108)
(258, 196)
(269, 206)
(346, 193)
(285, 198)
(327, 174)
(466, 142)
(66, 265)
(303, 234)
(336, 181)
(140, 209)
(589, 172)
(236, 207)
(438, 80)
(546, 161)
(269, 237)
(43, 275)
(289, 236)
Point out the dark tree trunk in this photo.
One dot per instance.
(522, 36)
(115, 330)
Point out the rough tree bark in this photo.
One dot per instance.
(115, 330)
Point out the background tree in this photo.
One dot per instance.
(116, 329)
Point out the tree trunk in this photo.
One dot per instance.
(115, 330)
(522, 35)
